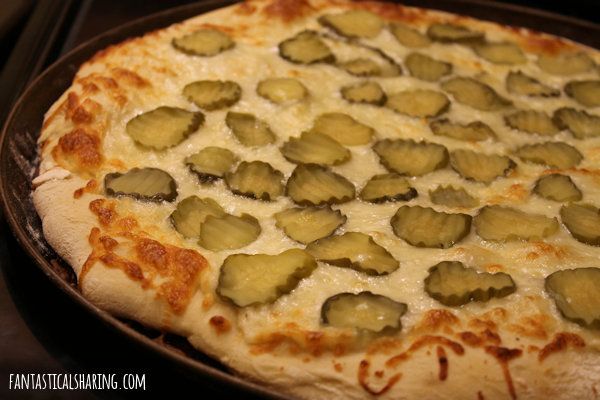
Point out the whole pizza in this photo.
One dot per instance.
(342, 200)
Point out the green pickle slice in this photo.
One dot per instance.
(314, 185)
(191, 213)
(249, 130)
(451, 33)
(453, 284)
(475, 94)
(501, 53)
(557, 187)
(343, 128)
(313, 147)
(204, 42)
(582, 221)
(353, 23)
(566, 64)
(407, 157)
(228, 232)
(308, 224)
(306, 48)
(450, 196)
(150, 184)
(387, 187)
(211, 163)
(586, 92)
(553, 154)
(525, 85)
(426, 68)
(363, 67)
(257, 180)
(354, 250)
(581, 124)
(473, 131)
(504, 224)
(418, 103)
(213, 95)
(282, 90)
(531, 121)
(409, 37)
(364, 92)
(254, 279)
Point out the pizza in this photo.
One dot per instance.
(341, 199)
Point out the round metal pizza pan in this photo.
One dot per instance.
(19, 160)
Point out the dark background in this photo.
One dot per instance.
(41, 330)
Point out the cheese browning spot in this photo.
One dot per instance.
(255, 279)
(363, 311)
(425, 227)
(503, 224)
(453, 284)
(205, 42)
(504, 355)
(306, 225)
(151, 184)
(560, 342)
(220, 324)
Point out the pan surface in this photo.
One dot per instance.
(19, 159)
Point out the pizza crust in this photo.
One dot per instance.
(292, 365)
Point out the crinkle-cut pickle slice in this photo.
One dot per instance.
(581, 124)
(531, 121)
(163, 127)
(407, 157)
(473, 132)
(228, 232)
(425, 227)
(343, 128)
(565, 64)
(211, 163)
(387, 187)
(353, 23)
(409, 37)
(363, 67)
(151, 184)
(525, 85)
(257, 180)
(315, 148)
(363, 311)
(576, 293)
(583, 222)
(252, 279)
(586, 93)
(308, 224)
(450, 196)
(203, 42)
(314, 185)
(249, 130)
(418, 103)
(306, 48)
(282, 90)
(426, 68)
(553, 154)
(364, 92)
(505, 224)
(557, 187)
(501, 53)
(213, 95)
(354, 250)
(453, 284)
(191, 213)
(450, 33)
(475, 94)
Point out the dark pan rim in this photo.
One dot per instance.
(97, 43)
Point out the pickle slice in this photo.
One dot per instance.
(343, 128)
(504, 224)
(228, 232)
(583, 222)
(306, 48)
(409, 37)
(407, 157)
(419, 103)
(450, 33)
(151, 184)
(576, 293)
(250, 279)
(475, 94)
(557, 187)
(213, 95)
(586, 93)
(553, 154)
(365, 92)
(313, 185)
(387, 187)
(531, 121)
(425, 227)
(581, 124)
(453, 284)
(204, 42)
(354, 250)
(282, 90)
(191, 213)
(426, 68)
(353, 23)
(211, 163)
(249, 130)
(363, 311)
(450, 196)
(308, 224)
(163, 127)
(501, 53)
(474, 131)
(565, 64)
(314, 148)
(361, 67)
(519, 83)
(257, 180)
